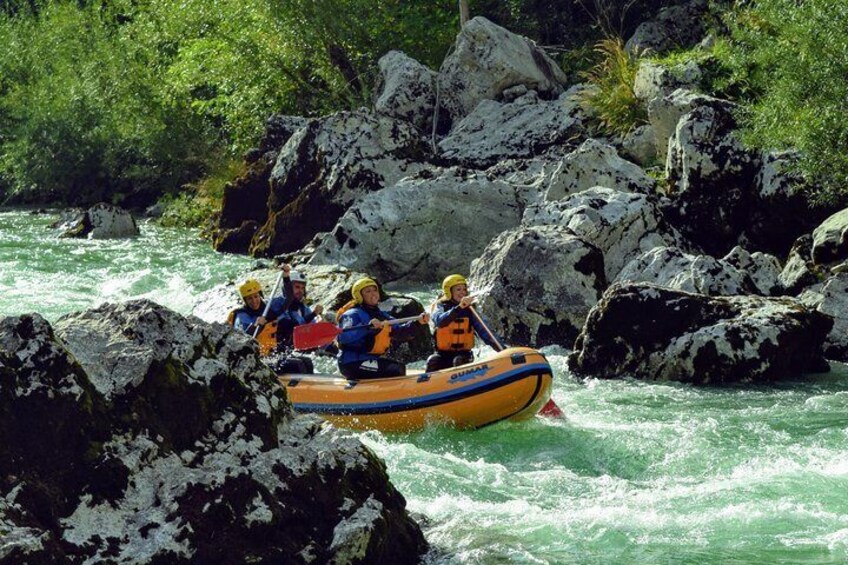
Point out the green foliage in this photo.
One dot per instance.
(200, 202)
(618, 108)
(791, 60)
(128, 100)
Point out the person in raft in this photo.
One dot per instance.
(288, 310)
(455, 326)
(362, 349)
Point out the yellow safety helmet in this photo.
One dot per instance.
(450, 282)
(250, 286)
(359, 286)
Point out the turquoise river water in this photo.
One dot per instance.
(637, 472)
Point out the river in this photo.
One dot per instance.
(637, 473)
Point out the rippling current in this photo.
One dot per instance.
(637, 472)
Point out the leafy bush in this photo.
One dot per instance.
(792, 59)
(613, 76)
(199, 203)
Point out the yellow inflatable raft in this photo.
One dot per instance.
(513, 384)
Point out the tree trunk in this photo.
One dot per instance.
(463, 12)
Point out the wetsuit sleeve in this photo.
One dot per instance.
(310, 315)
(354, 339)
(443, 317)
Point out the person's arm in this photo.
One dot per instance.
(353, 339)
(407, 330)
(443, 315)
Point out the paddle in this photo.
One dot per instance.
(551, 410)
(268, 304)
(319, 334)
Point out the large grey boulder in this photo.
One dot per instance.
(799, 271)
(526, 127)
(664, 112)
(639, 145)
(137, 435)
(738, 273)
(831, 298)
(536, 284)
(435, 222)
(781, 211)
(830, 239)
(622, 225)
(101, 221)
(405, 90)
(712, 178)
(327, 165)
(596, 164)
(487, 60)
(652, 332)
(656, 81)
(762, 268)
(679, 26)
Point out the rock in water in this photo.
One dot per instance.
(101, 221)
(135, 434)
(651, 332)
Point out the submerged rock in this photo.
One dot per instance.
(651, 332)
(135, 434)
(101, 221)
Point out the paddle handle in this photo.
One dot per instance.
(268, 304)
(495, 340)
(389, 322)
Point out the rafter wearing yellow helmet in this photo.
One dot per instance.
(455, 326)
(366, 336)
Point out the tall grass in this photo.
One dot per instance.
(614, 100)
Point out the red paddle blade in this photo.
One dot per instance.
(551, 410)
(312, 336)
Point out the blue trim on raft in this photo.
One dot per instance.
(434, 399)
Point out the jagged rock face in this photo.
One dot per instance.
(781, 213)
(664, 112)
(431, 223)
(830, 239)
(244, 208)
(738, 273)
(622, 225)
(656, 81)
(101, 221)
(526, 127)
(712, 176)
(536, 284)
(159, 438)
(487, 59)
(651, 332)
(640, 145)
(406, 90)
(675, 26)
(278, 130)
(326, 166)
(763, 269)
(596, 164)
(799, 271)
(832, 299)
